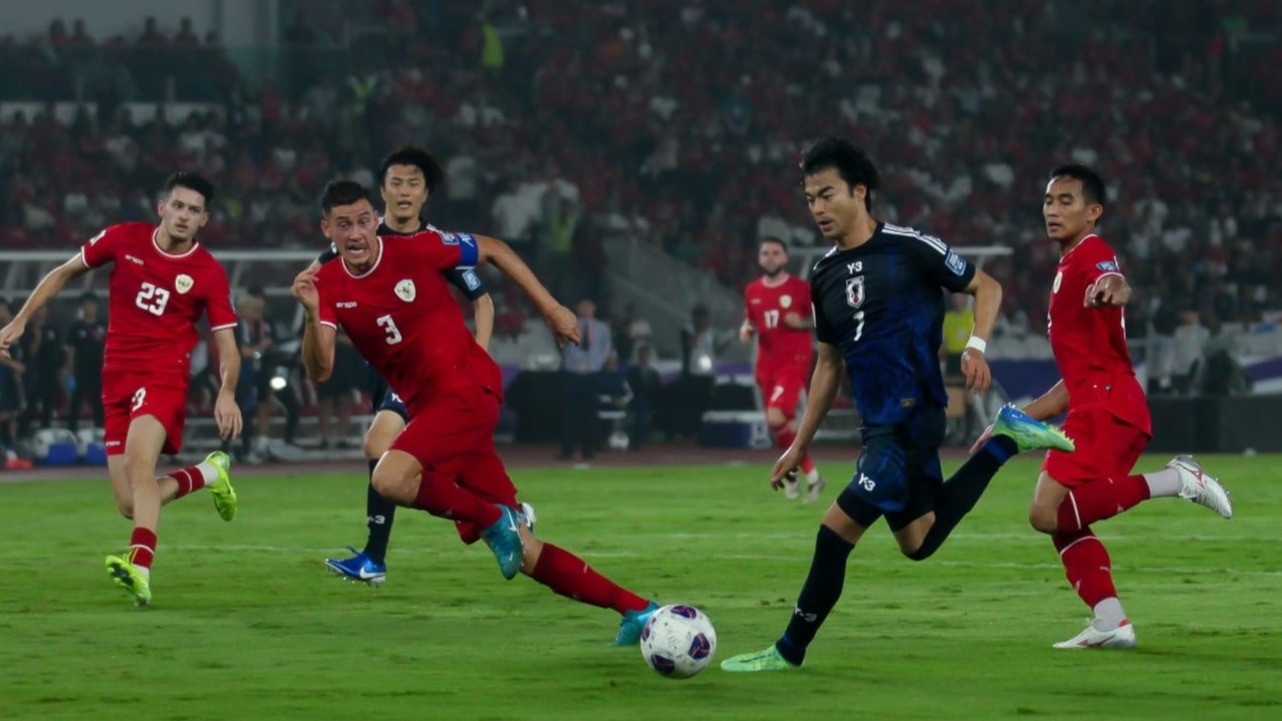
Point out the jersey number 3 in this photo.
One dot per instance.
(152, 299)
(389, 326)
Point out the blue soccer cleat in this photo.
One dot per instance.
(504, 540)
(1029, 434)
(632, 623)
(359, 567)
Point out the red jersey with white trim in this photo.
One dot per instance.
(401, 317)
(765, 307)
(156, 299)
(1089, 343)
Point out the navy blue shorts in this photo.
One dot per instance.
(383, 398)
(898, 474)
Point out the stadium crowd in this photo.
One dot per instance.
(566, 123)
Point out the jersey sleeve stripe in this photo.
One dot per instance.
(224, 325)
(331, 325)
(85, 260)
(933, 242)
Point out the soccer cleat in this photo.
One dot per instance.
(359, 567)
(632, 623)
(1121, 637)
(767, 660)
(814, 486)
(224, 495)
(1201, 488)
(504, 540)
(129, 577)
(792, 488)
(1029, 434)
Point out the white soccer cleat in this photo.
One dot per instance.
(814, 486)
(792, 488)
(1200, 487)
(1121, 637)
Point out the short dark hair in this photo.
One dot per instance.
(1092, 184)
(191, 181)
(851, 163)
(342, 192)
(777, 241)
(433, 173)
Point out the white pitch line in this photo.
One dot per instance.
(1175, 570)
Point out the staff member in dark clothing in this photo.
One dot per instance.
(581, 373)
(86, 336)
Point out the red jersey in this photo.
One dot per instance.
(1089, 343)
(155, 300)
(402, 318)
(765, 306)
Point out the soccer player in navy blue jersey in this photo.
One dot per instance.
(407, 178)
(878, 300)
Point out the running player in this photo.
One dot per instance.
(777, 312)
(162, 281)
(878, 299)
(390, 298)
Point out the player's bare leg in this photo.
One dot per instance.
(401, 478)
(133, 480)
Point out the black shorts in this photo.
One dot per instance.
(383, 398)
(898, 474)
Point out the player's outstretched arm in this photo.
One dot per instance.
(561, 320)
(226, 411)
(483, 315)
(824, 383)
(318, 339)
(50, 285)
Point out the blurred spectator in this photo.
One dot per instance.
(87, 337)
(12, 399)
(645, 384)
(1189, 350)
(46, 359)
(581, 378)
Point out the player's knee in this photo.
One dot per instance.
(1043, 519)
(375, 446)
(138, 466)
(126, 507)
(389, 482)
(776, 418)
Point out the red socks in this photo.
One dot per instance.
(189, 479)
(443, 497)
(142, 547)
(1099, 500)
(1087, 565)
(784, 436)
(570, 576)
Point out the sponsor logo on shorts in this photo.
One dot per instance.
(866, 483)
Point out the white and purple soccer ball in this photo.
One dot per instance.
(678, 641)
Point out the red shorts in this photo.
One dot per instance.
(453, 436)
(1107, 447)
(129, 396)
(781, 387)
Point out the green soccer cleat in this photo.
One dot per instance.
(224, 495)
(127, 576)
(767, 660)
(1029, 434)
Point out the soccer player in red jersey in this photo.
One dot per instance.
(1108, 417)
(777, 311)
(388, 294)
(162, 280)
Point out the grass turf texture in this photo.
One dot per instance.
(247, 623)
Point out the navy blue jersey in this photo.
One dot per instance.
(882, 305)
(465, 279)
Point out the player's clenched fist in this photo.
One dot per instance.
(304, 289)
(8, 336)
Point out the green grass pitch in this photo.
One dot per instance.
(247, 624)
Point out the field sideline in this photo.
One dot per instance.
(248, 625)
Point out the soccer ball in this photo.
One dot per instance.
(678, 641)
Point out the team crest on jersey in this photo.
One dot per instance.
(855, 291)
(183, 283)
(785, 301)
(1059, 276)
(406, 291)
